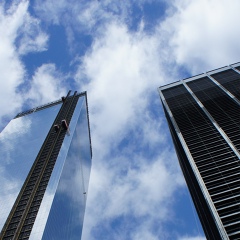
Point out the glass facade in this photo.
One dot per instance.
(70, 196)
(203, 114)
(20, 143)
(60, 205)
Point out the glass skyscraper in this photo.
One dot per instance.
(44, 171)
(203, 114)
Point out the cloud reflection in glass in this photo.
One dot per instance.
(20, 143)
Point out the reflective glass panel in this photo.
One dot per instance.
(67, 211)
(20, 143)
(62, 208)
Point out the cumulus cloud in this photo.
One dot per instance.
(88, 17)
(30, 36)
(11, 68)
(87, 13)
(203, 34)
(47, 85)
(121, 74)
(17, 37)
(135, 192)
(122, 70)
(192, 238)
(132, 188)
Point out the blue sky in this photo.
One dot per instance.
(120, 52)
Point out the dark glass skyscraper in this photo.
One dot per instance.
(203, 114)
(44, 171)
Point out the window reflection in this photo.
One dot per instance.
(69, 201)
(20, 142)
(61, 213)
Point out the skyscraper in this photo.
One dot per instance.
(44, 171)
(203, 114)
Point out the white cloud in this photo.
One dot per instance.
(86, 13)
(143, 233)
(11, 68)
(130, 186)
(142, 190)
(204, 35)
(51, 10)
(122, 70)
(47, 85)
(31, 37)
(18, 36)
(121, 74)
(192, 238)
(88, 17)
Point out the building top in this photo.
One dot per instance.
(50, 104)
(169, 85)
(58, 102)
